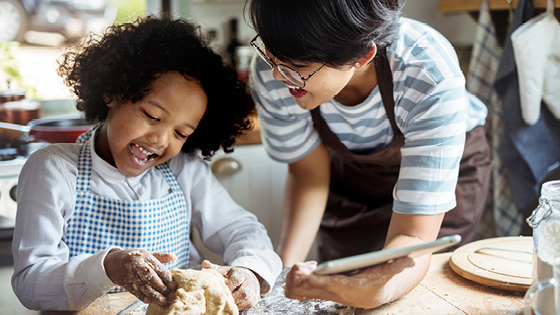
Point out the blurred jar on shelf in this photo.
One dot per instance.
(243, 56)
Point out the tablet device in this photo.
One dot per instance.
(352, 263)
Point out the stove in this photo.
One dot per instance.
(9, 173)
(12, 158)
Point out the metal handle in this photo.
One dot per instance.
(15, 127)
(226, 166)
(532, 220)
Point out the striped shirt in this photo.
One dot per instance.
(433, 110)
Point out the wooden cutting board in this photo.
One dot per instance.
(503, 262)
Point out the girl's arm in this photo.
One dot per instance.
(307, 189)
(45, 277)
(226, 228)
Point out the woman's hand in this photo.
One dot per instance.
(364, 289)
(242, 282)
(141, 273)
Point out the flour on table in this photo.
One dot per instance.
(199, 292)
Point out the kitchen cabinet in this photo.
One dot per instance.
(256, 182)
(499, 10)
(449, 6)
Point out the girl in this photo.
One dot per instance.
(114, 207)
(385, 147)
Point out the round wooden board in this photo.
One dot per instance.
(503, 262)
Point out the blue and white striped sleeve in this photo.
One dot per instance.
(431, 155)
(430, 111)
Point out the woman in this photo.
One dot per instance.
(385, 147)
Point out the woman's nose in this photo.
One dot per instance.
(277, 75)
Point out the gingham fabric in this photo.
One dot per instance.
(158, 225)
(501, 216)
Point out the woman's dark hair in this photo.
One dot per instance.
(335, 32)
(122, 64)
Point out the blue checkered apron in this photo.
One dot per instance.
(158, 225)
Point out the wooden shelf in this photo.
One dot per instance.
(451, 6)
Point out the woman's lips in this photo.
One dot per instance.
(297, 92)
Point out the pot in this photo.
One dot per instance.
(16, 109)
(61, 130)
(20, 112)
(12, 95)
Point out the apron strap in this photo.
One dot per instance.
(360, 198)
(169, 176)
(385, 84)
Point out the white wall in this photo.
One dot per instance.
(212, 15)
(459, 28)
(217, 14)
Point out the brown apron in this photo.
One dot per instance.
(360, 201)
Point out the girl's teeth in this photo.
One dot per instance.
(143, 160)
(148, 153)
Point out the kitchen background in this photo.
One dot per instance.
(253, 179)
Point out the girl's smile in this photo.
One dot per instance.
(140, 154)
(137, 136)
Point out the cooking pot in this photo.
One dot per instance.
(16, 109)
(12, 95)
(59, 130)
(19, 112)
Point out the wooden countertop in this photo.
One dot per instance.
(450, 6)
(441, 292)
(445, 292)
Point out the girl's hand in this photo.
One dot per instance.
(141, 273)
(364, 289)
(242, 282)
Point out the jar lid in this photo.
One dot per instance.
(551, 190)
(12, 94)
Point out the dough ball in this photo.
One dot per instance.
(199, 292)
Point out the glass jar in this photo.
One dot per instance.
(545, 221)
(539, 298)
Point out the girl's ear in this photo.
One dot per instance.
(108, 101)
(368, 57)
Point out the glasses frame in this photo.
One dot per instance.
(282, 67)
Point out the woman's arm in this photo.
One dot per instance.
(377, 285)
(305, 199)
(408, 230)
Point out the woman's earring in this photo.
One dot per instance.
(357, 64)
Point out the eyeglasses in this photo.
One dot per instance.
(291, 74)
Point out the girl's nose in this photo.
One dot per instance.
(159, 137)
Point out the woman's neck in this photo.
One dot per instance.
(360, 86)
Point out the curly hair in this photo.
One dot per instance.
(333, 32)
(122, 64)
